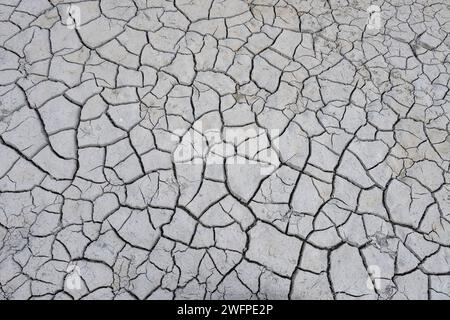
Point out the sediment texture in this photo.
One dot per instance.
(116, 165)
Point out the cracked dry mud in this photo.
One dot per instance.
(357, 204)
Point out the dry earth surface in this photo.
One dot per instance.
(234, 149)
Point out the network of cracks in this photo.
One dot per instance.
(224, 149)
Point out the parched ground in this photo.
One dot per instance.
(234, 149)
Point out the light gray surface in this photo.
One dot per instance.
(224, 149)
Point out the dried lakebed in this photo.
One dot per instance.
(228, 149)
